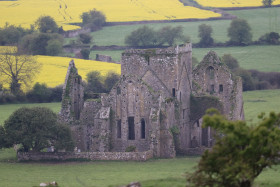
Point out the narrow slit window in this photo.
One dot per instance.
(221, 88)
(173, 92)
(143, 129)
(119, 129)
(131, 129)
(212, 89)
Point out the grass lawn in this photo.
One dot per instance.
(256, 102)
(156, 172)
(153, 173)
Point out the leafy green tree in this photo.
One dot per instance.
(54, 47)
(39, 93)
(204, 33)
(241, 152)
(35, 129)
(270, 38)
(93, 19)
(267, 3)
(94, 82)
(42, 44)
(239, 32)
(230, 61)
(17, 69)
(169, 35)
(143, 36)
(111, 79)
(247, 80)
(85, 53)
(85, 38)
(46, 24)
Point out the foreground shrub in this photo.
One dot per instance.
(240, 153)
(35, 129)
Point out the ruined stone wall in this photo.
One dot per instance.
(137, 156)
(214, 78)
(131, 98)
(95, 122)
(103, 58)
(73, 95)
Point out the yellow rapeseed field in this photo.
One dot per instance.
(233, 3)
(54, 69)
(25, 12)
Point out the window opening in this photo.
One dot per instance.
(119, 128)
(131, 129)
(221, 88)
(173, 92)
(143, 129)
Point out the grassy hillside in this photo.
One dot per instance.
(262, 58)
(261, 21)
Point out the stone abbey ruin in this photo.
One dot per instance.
(157, 106)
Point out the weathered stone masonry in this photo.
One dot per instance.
(157, 105)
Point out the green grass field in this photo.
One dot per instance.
(261, 21)
(262, 58)
(153, 173)
(156, 172)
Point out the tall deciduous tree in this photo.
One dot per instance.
(204, 32)
(239, 32)
(17, 69)
(241, 152)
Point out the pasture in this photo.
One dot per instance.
(261, 21)
(155, 172)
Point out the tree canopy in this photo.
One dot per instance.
(239, 32)
(46, 24)
(93, 19)
(241, 152)
(35, 129)
(204, 32)
(17, 69)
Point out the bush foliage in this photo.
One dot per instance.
(35, 129)
(240, 153)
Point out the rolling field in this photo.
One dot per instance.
(232, 3)
(155, 172)
(25, 12)
(261, 21)
(54, 69)
(262, 58)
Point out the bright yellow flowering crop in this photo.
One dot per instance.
(54, 69)
(25, 12)
(233, 3)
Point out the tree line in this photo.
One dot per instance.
(239, 33)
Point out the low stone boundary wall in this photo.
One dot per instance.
(136, 156)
